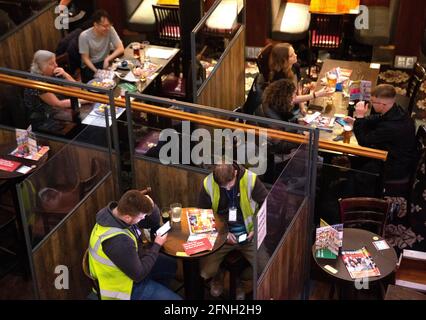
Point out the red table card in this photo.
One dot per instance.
(8, 165)
(196, 246)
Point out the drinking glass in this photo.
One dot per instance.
(145, 47)
(165, 214)
(176, 209)
(331, 80)
(136, 46)
(347, 133)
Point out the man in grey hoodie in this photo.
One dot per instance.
(124, 267)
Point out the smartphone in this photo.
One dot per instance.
(341, 122)
(242, 238)
(163, 229)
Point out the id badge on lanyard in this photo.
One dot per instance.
(232, 214)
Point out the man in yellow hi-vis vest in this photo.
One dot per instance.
(124, 268)
(235, 194)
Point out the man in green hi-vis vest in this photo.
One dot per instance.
(235, 194)
(123, 266)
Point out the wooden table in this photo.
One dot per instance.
(162, 63)
(401, 293)
(360, 71)
(128, 55)
(354, 239)
(178, 235)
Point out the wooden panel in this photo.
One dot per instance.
(225, 88)
(17, 50)
(258, 22)
(169, 184)
(7, 136)
(284, 278)
(411, 21)
(66, 247)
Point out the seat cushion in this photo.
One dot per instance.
(332, 41)
(292, 22)
(379, 28)
(170, 31)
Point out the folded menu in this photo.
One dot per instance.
(197, 246)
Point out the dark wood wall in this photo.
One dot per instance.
(225, 87)
(285, 277)
(66, 247)
(17, 50)
(169, 184)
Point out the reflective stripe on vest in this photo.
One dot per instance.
(113, 283)
(247, 204)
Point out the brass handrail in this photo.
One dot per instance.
(197, 118)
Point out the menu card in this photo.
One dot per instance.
(197, 246)
(8, 165)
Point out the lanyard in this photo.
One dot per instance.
(231, 194)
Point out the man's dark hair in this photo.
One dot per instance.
(223, 173)
(133, 203)
(99, 14)
(384, 91)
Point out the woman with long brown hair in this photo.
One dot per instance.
(282, 61)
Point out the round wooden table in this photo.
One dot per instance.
(354, 239)
(176, 237)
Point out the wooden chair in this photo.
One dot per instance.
(93, 282)
(56, 204)
(364, 213)
(416, 79)
(167, 22)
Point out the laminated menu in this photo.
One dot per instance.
(360, 264)
(197, 246)
(7, 165)
(200, 220)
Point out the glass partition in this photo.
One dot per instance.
(340, 179)
(285, 198)
(211, 37)
(59, 186)
(168, 140)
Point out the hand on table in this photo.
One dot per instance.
(106, 63)
(230, 239)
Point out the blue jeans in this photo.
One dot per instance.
(150, 288)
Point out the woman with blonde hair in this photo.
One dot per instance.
(41, 105)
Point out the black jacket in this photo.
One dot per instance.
(121, 249)
(394, 132)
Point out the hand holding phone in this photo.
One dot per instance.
(163, 229)
(341, 122)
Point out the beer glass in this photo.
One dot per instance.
(136, 46)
